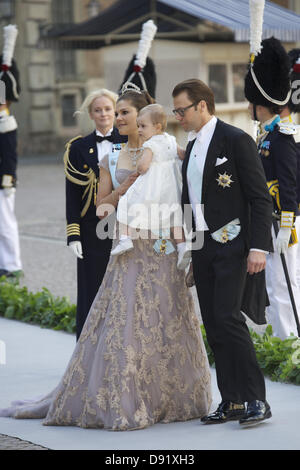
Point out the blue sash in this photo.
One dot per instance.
(112, 162)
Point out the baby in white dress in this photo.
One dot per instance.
(153, 202)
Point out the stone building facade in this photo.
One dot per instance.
(55, 81)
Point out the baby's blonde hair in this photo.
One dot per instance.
(157, 114)
(87, 103)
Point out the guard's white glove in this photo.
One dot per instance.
(76, 247)
(282, 240)
(9, 191)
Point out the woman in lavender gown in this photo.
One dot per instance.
(140, 358)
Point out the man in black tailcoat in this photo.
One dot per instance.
(222, 171)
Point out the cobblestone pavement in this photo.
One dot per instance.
(40, 210)
(14, 443)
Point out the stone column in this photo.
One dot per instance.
(34, 112)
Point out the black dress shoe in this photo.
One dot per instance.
(226, 411)
(257, 411)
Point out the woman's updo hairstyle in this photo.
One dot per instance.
(137, 99)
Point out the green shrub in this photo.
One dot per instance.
(278, 359)
(41, 308)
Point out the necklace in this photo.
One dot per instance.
(135, 153)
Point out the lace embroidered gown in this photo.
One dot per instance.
(140, 358)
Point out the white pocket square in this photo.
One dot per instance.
(221, 160)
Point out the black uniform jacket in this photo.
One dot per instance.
(82, 182)
(280, 157)
(8, 156)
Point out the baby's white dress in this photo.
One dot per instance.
(154, 200)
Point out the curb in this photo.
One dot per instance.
(14, 443)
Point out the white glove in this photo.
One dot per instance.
(76, 247)
(282, 240)
(9, 191)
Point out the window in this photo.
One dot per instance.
(68, 106)
(65, 64)
(7, 9)
(238, 77)
(64, 59)
(227, 82)
(62, 11)
(218, 82)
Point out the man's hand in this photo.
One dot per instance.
(256, 262)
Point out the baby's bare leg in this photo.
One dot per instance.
(124, 229)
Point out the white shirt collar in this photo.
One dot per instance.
(206, 129)
(102, 135)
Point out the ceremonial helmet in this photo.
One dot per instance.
(267, 82)
(141, 70)
(144, 78)
(9, 73)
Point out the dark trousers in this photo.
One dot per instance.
(220, 274)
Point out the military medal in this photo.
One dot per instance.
(162, 248)
(224, 180)
(117, 147)
(224, 236)
(264, 148)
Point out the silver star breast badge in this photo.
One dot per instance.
(224, 180)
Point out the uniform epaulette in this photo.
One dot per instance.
(72, 140)
(288, 129)
(67, 147)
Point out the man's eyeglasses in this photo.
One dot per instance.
(181, 111)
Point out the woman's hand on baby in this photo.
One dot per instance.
(127, 183)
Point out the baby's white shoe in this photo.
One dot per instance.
(184, 256)
(125, 244)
